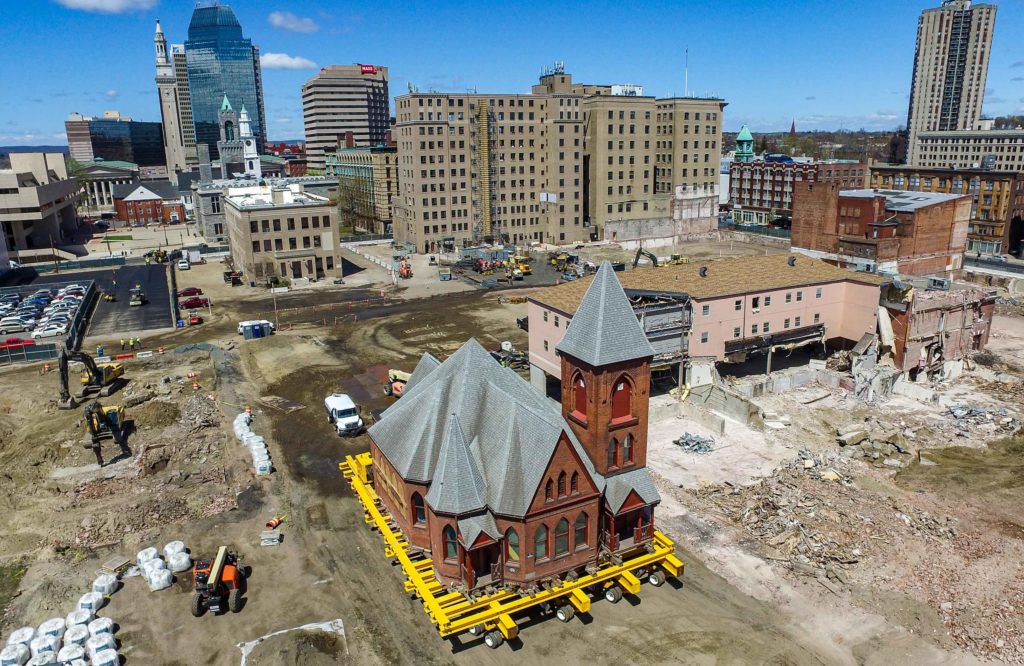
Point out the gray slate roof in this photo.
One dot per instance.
(618, 487)
(458, 486)
(512, 430)
(605, 329)
(423, 368)
(470, 528)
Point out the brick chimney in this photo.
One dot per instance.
(388, 141)
(350, 139)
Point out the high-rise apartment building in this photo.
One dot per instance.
(950, 66)
(220, 61)
(551, 166)
(342, 99)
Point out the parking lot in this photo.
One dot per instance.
(117, 317)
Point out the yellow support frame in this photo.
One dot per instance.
(452, 612)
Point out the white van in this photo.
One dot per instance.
(342, 412)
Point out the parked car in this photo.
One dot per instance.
(8, 325)
(49, 331)
(16, 342)
(194, 302)
(190, 291)
(183, 265)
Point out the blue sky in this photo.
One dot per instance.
(830, 65)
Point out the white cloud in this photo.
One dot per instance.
(291, 22)
(111, 93)
(285, 61)
(109, 6)
(282, 121)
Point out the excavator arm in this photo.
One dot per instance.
(95, 374)
(65, 388)
(642, 252)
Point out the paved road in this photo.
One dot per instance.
(112, 318)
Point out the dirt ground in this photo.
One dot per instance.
(189, 479)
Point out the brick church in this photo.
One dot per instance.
(500, 487)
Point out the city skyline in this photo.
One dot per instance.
(770, 63)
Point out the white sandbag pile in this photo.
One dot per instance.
(105, 584)
(101, 625)
(80, 638)
(257, 445)
(70, 653)
(14, 654)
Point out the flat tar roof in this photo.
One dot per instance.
(903, 201)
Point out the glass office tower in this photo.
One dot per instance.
(221, 62)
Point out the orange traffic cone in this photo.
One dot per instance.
(195, 385)
(248, 409)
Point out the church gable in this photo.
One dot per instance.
(563, 465)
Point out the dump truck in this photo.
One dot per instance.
(219, 584)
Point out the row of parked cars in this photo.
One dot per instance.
(46, 313)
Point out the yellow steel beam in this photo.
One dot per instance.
(453, 613)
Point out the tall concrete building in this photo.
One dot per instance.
(557, 165)
(37, 201)
(342, 99)
(179, 136)
(950, 66)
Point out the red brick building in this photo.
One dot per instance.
(151, 202)
(761, 192)
(930, 330)
(500, 487)
(888, 231)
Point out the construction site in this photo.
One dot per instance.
(813, 521)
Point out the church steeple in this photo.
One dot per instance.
(606, 377)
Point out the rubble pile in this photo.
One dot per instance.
(810, 514)
(968, 418)
(691, 443)
(857, 442)
(199, 412)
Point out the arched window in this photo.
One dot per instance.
(419, 512)
(574, 484)
(512, 545)
(579, 394)
(622, 397)
(561, 484)
(229, 131)
(562, 537)
(451, 546)
(549, 490)
(627, 449)
(580, 531)
(540, 543)
(613, 452)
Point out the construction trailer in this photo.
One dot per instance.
(493, 615)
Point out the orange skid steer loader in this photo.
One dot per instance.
(219, 584)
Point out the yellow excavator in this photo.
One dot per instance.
(104, 423)
(97, 378)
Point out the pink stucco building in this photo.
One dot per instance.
(725, 309)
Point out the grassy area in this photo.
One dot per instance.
(10, 578)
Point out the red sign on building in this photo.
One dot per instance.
(367, 69)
